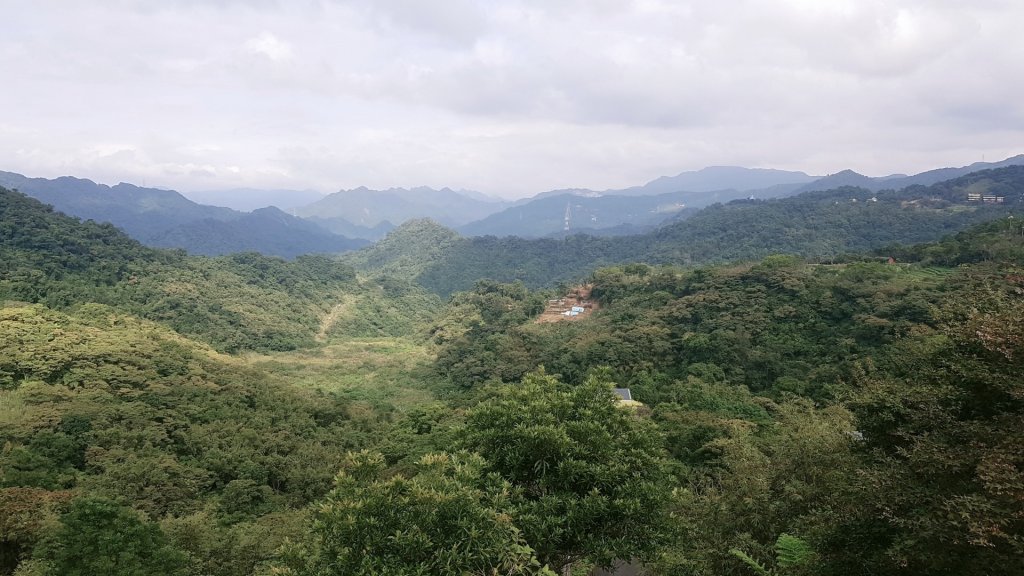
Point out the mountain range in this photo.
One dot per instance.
(643, 208)
(348, 219)
(819, 225)
(167, 219)
(369, 208)
(249, 199)
(899, 181)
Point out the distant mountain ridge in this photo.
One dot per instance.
(632, 210)
(141, 212)
(900, 181)
(716, 178)
(249, 199)
(269, 231)
(572, 213)
(369, 208)
(167, 219)
(822, 225)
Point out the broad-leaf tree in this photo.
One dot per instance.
(447, 520)
(589, 474)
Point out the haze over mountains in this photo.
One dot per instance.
(249, 199)
(165, 218)
(898, 181)
(306, 222)
(363, 211)
(821, 226)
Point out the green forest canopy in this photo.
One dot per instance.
(857, 416)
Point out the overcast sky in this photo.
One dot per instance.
(505, 97)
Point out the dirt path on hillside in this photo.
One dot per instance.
(331, 318)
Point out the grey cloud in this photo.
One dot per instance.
(508, 96)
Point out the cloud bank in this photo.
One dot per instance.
(507, 97)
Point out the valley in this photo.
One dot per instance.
(806, 370)
(511, 288)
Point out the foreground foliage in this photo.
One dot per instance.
(590, 476)
(447, 519)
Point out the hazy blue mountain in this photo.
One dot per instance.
(165, 218)
(818, 225)
(638, 208)
(141, 212)
(343, 227)
(546, 215)
(249, 199)
(900, 181)
(942, 174)
(715, 178)
(368, 208)
(605, 214)
(840, 179)
(582, 192)
(269, 231)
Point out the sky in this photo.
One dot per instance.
(506, 97)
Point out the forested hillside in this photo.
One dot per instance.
(121, 436)
(132, 445)
(818, 225)
(242, 301)
(245, 415)
(268, 231)
(852, 418)
(140, 212)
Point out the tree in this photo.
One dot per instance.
(945, 490)
(98, 536)
(589, 474)
(446, 520)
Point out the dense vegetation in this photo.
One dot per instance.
(242, 301)
(268, 231)
(152, 428)
(846, 416)
(872, 410)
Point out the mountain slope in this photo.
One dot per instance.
(817, 225)
(343, 227)
(942, 174)
(166, 219)
(245, 301)
(249, 199)
(266, 230)
(841, 179)
(141, 212)
(406, 250)
(899, 181)
(551, 214)
(715, 178)
(365, 207)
